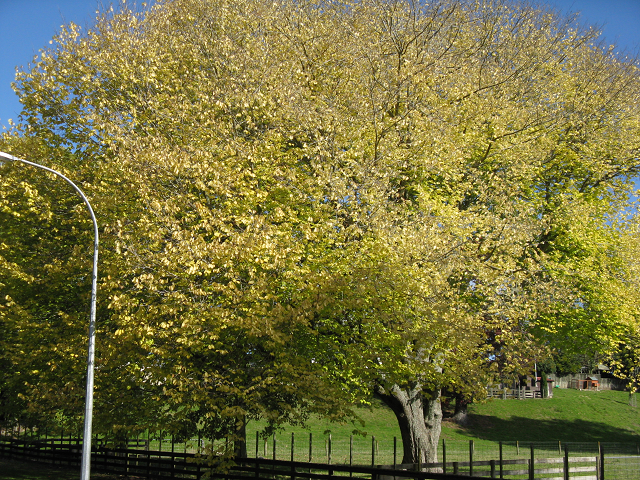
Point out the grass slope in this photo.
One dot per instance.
(570, 416)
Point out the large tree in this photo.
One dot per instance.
(302, 203)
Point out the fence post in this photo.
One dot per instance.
(395, 452)
(492, 464)
(501, 457)
(566, 462)
(17, 444)
(373, 451)
(138, 447)
(257, 444)
(444, 456)
(293, 466)
(292, 445)
(310, 446)
(13, 444)
(601, 456)
(173, 457)
(149, 448)
(351, 452)
(329, 454)
(533, 464)
(471, 458)
(274, 446)
(126, 453)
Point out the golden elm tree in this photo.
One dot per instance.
(305, 203)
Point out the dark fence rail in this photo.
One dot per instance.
(136, 459)
(174, 465)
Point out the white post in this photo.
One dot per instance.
(88, 412)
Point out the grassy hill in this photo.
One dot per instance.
(570, 416)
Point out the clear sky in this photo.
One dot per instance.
(27, 26)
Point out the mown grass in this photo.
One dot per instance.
(570, 416)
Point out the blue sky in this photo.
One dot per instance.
(27, 26)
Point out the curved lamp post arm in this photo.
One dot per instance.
(88, 413)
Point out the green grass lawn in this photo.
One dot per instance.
(570, 416)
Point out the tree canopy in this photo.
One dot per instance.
(305, 202)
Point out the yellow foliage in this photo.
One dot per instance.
(298, 199)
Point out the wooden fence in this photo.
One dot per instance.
(136, 459)
(518, 393)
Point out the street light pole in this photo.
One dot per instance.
(88, 412)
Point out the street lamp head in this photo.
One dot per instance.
(7, 157)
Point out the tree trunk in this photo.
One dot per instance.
(240, 439)
(419, 417)
(460, 412)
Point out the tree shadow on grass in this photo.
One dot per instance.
(23, 470)
(11, 469)
(550, 430)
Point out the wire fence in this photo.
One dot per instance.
(620, 461)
